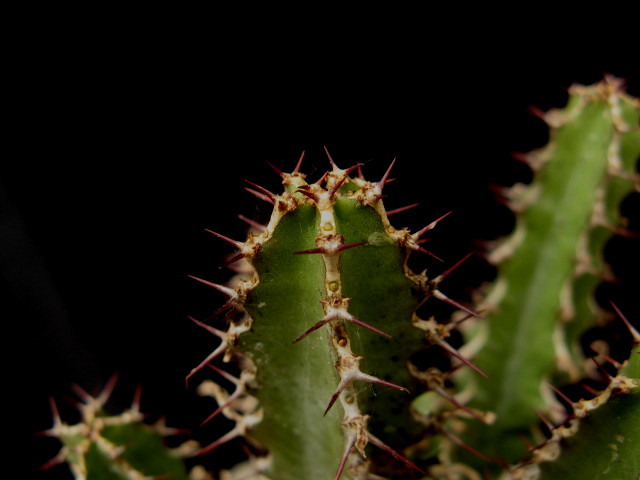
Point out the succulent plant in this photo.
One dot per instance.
(323, 348)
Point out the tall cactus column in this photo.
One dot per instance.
(543, 300)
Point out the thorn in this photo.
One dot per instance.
(219, 349)
(299, 164)
(222, 406)
(544, 419)
(253, 223)
(602, 369)
(310, 251)
(340, 248)
(622, 231)
(233, 242)
(226, 375)
(347, 449)
(530, 446)
(343, 383)
(363, 377)
(137, 396)
(347, 246)
(608, 358)
(81, 393)
(561, 395)
(221, 288)
(446, 395)
(57, 460)
(102, 398)
(272, 196)
(308, 194)
(503, 464)
(521, 157)
(260, 195)
(441, 296)
(468, 448)
(322, 322)
(213, 445)
(228, 305)
(57, 421)
(378, 443)
(344, 178)
(445, 345)
(321, 179)
(233, 259)
(340, 315)
(422, 250)
(431, 226)
(443, 275)
(401, 209)
(353, 319)
(589, 389)
(277, 170)
(457, 323)
(632, 329)
(536, 112)
(370, 378)
(384, 178)
(54, 411)
(333, 164)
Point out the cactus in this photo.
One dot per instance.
(117, 447)
(323, 354)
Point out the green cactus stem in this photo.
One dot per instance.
(312, 325)
(543, 298)
(604, 429)
(118, 447)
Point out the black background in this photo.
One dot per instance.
(126, 147)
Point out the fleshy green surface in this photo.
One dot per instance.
(372, 275)
(606, 447)
(519, 354)
(295, 381)
(144, 452)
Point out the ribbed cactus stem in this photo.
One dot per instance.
(542, 300)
